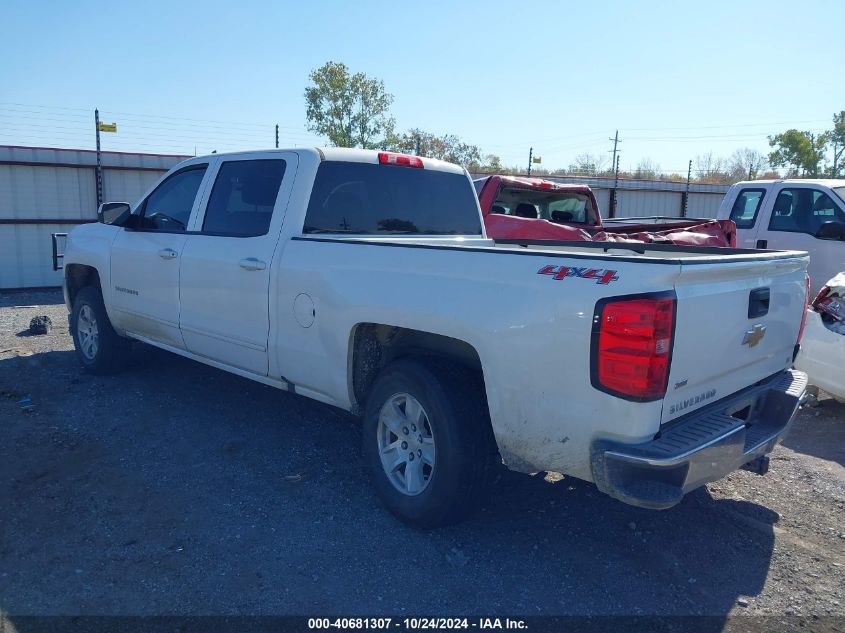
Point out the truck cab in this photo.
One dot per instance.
(807, 215)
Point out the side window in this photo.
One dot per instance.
(243, 197)
(746, 206)
(782, 217)
(169, 206)
(803, 211)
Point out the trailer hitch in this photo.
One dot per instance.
(758, 466)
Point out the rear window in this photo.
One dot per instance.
(746, 205)
(365, 198)
(563, 207)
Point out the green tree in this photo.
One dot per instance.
(800, 152)
(836, 139)
(447, 147)
(493, 164)
(350, 110)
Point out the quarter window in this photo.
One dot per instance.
(168, 208)
(243, 197)
(746, 206)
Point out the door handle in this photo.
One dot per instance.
(252, 263)
(762, 243)
(167, 253)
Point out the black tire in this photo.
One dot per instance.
(112, 350)
(466, 456)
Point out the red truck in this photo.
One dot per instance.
(537, 209)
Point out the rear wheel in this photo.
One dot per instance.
(428, 442)
(99, 348)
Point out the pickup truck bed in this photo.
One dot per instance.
(458, 351)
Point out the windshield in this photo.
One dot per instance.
(563, 207)
(840, 191)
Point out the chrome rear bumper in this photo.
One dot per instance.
(700, 447)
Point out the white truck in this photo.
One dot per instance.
(806, 215)
(365, 280)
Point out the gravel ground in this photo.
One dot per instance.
(175, 488)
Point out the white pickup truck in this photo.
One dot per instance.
(364, 280)
(799, 214)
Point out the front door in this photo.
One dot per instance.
(145, 259)
(796, 216)
(226, 267)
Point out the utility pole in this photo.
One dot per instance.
(750, 170)
(530, 158)
(686, 193)
(615, 140)
(277, 136)
(99, 160)
(612, 211)
(418, 144)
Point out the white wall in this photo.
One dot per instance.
(638, 204)
(59, 184)
(122, 185)
(33, 192)
(26, 259)
(704, 205)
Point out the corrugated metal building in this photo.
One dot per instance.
(47, 190)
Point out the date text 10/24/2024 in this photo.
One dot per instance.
(416, 624)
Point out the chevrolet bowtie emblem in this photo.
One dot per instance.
(754, 335)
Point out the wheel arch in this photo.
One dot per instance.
(372, 346)
(77, 277)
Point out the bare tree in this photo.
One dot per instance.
(647, 169)
(744, 161)
(589, 164)
(709, 168)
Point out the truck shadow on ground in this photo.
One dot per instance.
(819, 431)
(175, 488)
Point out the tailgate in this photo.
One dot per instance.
(726, 337)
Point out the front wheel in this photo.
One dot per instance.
(428, 442)
(99, 348)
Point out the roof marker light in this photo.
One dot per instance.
(404, 160)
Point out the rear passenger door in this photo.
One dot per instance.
(226, 271)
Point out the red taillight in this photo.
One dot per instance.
(804, 316)
(391, 158)
(632, 346)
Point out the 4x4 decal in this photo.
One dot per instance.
(602, 277)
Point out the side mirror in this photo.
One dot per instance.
(831, 230)
(113, 213)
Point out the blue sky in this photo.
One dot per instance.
(676, 79)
